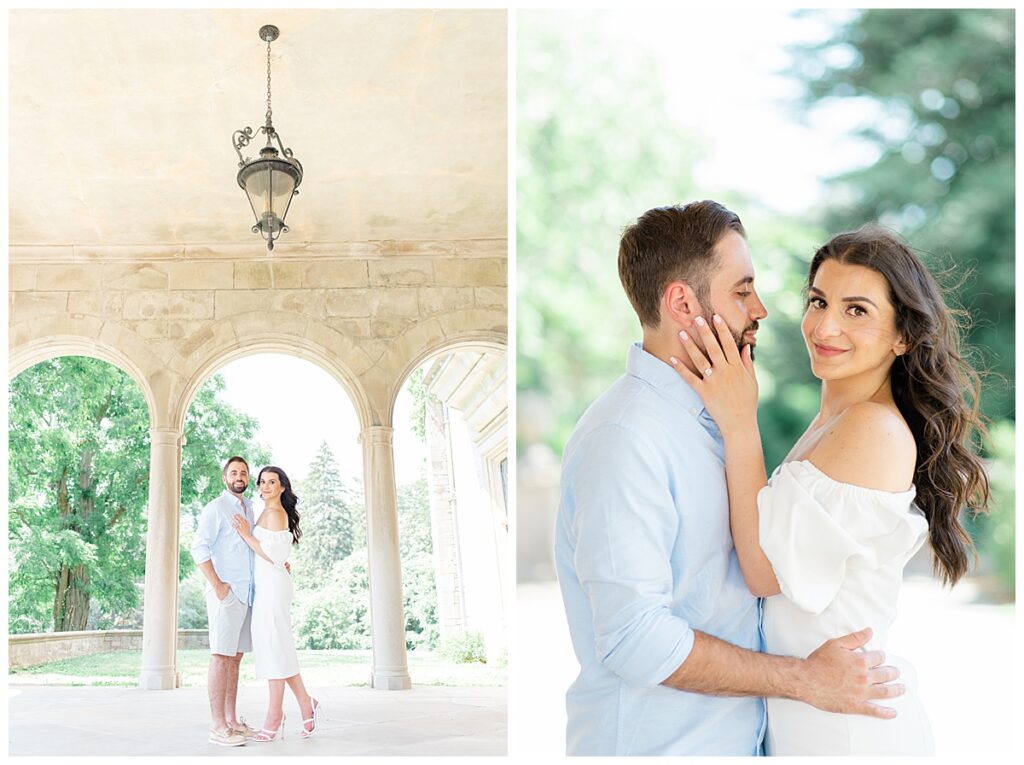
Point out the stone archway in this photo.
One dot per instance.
(40, 346)
(316, 343)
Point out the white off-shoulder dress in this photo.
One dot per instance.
(272, 640)
(838, 552)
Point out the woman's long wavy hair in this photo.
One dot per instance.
(288, 500)
(936, 389)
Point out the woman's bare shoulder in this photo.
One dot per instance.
(274, 520)
(869, 445)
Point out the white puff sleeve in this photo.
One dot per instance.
(814, 529)
(277, 545)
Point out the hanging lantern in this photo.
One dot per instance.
(271, 180)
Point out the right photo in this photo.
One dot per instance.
(765, 479)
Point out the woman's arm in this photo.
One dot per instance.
(242, 527)
(745, 475)
(729, 394)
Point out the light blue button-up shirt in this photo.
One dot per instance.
(217, 540)
(645, 557)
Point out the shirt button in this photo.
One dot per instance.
(693, 410)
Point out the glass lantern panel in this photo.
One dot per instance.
(269, 191)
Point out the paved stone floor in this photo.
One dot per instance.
(356, 721)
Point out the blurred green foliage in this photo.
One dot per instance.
(588, 162)
(463, 648)
(596, 148)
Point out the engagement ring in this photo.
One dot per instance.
(707, 372)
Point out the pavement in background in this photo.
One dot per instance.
(355, 721)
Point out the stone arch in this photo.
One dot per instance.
(439, 334)
(42, 345)
(307, 340)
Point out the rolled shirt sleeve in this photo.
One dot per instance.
(205, 537)
(625, 526)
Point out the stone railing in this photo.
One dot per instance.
(40, 647)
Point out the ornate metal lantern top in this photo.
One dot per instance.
(272, 179)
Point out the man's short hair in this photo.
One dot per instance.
(233, 459)
(668, 244)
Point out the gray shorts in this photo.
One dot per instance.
(230, 624)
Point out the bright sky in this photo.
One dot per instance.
(721, 72)
(299, 406)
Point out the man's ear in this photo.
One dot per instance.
(680, 304)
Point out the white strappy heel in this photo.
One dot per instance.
(316, 711)
(266, 736)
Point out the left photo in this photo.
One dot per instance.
(257, 371)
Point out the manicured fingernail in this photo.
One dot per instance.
(683, 335)
(700, 321)
(674, 360)
(718, 319)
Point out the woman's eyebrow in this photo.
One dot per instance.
(851, 299)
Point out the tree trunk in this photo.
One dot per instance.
(71, 608)
(71, 600)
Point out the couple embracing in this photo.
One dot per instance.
(715, 610)
(248, 600)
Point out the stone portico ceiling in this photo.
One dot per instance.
(121, 123)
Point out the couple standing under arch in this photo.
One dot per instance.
(248, 601)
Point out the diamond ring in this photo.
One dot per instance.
(708, 371)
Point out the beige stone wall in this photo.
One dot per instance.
(367, 312)
(42, 647)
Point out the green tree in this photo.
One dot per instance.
(329, 516)
(79, 479)
(336, 615)
(419, 586)
(414, 519)
(419, 394)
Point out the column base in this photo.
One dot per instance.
(159, 680)
(390, 682)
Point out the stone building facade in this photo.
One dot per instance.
(467, 476)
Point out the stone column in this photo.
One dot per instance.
(387, 616)
(160, 607)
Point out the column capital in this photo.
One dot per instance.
(377, 434)
(165, 436)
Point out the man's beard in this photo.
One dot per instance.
(245, 485)
(737, 336)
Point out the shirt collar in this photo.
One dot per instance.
(659, 375)
(233, 498)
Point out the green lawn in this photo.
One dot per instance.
(339, 668)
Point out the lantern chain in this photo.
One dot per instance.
(269, 110)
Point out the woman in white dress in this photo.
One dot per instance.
(884, 466)
(276, 530)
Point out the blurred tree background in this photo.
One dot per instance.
(597, 148)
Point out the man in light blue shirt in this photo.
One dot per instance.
(227, 563)
(662, 623)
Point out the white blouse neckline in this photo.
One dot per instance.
(856, 487)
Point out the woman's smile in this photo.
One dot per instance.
(827, 350)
